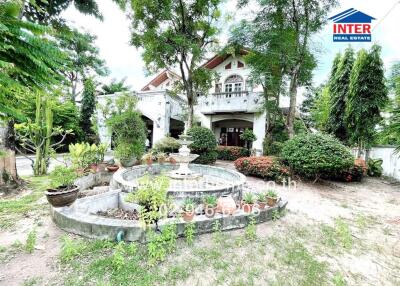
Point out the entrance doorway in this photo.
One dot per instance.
(228, 132)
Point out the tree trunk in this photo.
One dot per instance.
(292, 107)
(8, 166)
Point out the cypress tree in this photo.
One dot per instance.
(87, 109)
(339, 89)
(367, 96)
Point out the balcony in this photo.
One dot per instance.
(234, 101)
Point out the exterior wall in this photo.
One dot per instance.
(391, 161)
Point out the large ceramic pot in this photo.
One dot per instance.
(226, 205)
(128, 162)
(271, 201)
(112, 168)
(62, 197)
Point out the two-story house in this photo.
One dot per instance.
(231, 105)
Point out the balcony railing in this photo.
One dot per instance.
(234, 101)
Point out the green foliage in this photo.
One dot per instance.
(314, 155)
(62, 176)
(321, 108)
(159, 245)
(115, 86)
(151, 195)
(188, 205)
(189, 232)
(204, 144)
(251, 230)
(83, 154)
(177, 33)
(31, 241)
(375, 168)
(29, 59)
(231, 153)
(210, 201)
(366, 98)
(87, 109)
(248, 135)
(339, 85)
(261, 197)
(167, 145)
(118, 260)
(272, 194)
(249, 198)
(127, 126)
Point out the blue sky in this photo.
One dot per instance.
(125, 61)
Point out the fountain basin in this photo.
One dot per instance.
(212, 181)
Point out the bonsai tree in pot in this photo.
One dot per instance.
(188, 210)
(62, 191)
(249, 137)
(248, 202)
(261, 200)
(210, 206)
(272, 198)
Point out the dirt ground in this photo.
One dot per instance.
(370, 209)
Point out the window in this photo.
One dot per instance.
(218, 87)
(240, 64)
(233, 83)
(228, 66)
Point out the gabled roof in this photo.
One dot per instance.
(352, 16)
(219, 58)
(159, 79)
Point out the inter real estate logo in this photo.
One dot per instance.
(352, 26)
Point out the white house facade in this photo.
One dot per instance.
(231, 105)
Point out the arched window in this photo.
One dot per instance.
(234, 83)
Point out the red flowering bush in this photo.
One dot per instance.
(266, 167)
(354, 173)
(231, 153)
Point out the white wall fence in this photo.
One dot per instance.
(391, 160)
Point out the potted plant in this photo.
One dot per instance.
(148, 158)
(188, 210)
(161, 157)
(210, 206)
(261, 200)
(126, 154)
(62, 191)
(248, 202)
(272, 198)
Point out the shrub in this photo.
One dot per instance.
(375, 167)
(83, 154)
(268, 168)
(354, 174)
(231, 153)
(204, 144)
(167, 145)
(62, 177)
(272, 148)
(315, 155)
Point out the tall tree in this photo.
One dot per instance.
(294, 21)
(29, 60)
(177, 33)
(84, 59)
(87, 109)
(367, 96)
(339, 90)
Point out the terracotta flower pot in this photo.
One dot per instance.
(112, 168)
(93, 168)
(271, 201)
(262, 205)
(161, 161)
(188, 216)
(210, 211)
(248, 208)
(101, 167)
(149, 161)
(61, 197)
(226, 205)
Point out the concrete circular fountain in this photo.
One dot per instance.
(186, 181)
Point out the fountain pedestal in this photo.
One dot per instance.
(183, 158)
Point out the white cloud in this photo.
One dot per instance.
(125, 61)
